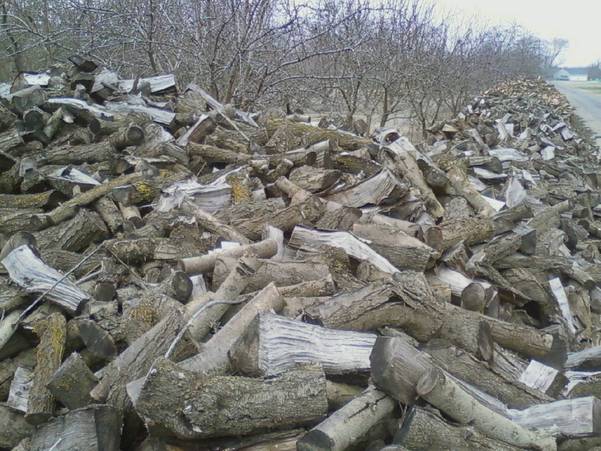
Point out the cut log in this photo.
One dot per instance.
(176, 402)
(46, 199)
(19, 389)
(40, 405)
(273, 344)
(446, 395)
(424, 429)
(467, 368)
(587, 359)
(307, 239)
(68, 209)
(314, 179)
(88, 153)
(569, 417)
(27, 98)
(75, 234)
(206, 263)
(72, 382)
(30, 273)
(403, 251)
(543, 378)
(347, 425)
(383, 187)
(93, 428)
(213, 225)
(132, 135)
(470, 230)
(213, 355)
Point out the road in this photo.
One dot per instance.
(587, 103)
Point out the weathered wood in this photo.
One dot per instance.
(19, 389)
(68, 209)
(402, 250)
(88, 153)
(94, 428)
(132, 135)
(570, 417)
(589, 359)
(30, 273)
(205, 263)
(273, 344)
(469, 230)
(14, 427)
(72, 382)
(424, 428)
(176, 402)
(467, 368)
(307, 239)
(213, 225)
(448, 396)
(46, 199)
(27, 98)
(40, 405)
(75, 234)
(314, 179)
(347, 425)
(380, 188)
(213, 356)
(109, 212)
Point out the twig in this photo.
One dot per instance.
(191, 320)
(55, 284)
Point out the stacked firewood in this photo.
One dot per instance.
(179, 274)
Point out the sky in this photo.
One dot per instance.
(578, 21)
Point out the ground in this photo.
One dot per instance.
(585, 97)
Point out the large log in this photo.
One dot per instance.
(448, 396)
(40, 405)
(349, 424)
(72, 382)
(273, 344)
(424, 429)
(176, 402)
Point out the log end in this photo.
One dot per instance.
(315, 440)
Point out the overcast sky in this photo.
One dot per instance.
(578, 21)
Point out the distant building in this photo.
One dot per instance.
(561, 74)
(594, 72)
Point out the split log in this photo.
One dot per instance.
(206, 263)
(27, 98)
(213, 355)
(470, 230)
(109, 212)
(424, 428)
(460, 183)
(569, 417)
(72, 382)
(30, 273)
(176, 402)
(383, 187)
(19, 389)
(448, 396)
(543, 378)
(402, 250)
(8, 326)
(307, 239)
(204, 126)
(347, 425)
(40, 405)
(11, 296)
(14, 427)
(273, 344)
(13, 220)
(9, 140)
(314, 179)
(94, 428)
(213, 225)
(587, 359)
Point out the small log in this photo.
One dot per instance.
(470, 230)
(176, 402)
(131, 216)
(448, 396)
(46, 199)
(460, 183)
(206, 263)
(403, 251)
(30, 273)
(569, 417)
(72, 382)
(204, 126)
(40, 405)
(86, 153)
(14, 427)
(27, 98)
(94, 428)
(68, 209)
(273, 344)
(35, 119)
(349, 424)
(109, 212)
(13, 220)
(213, 225)
(132, 135)
(424, 428)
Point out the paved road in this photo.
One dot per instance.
(586, 102)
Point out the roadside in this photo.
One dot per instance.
(585, 97)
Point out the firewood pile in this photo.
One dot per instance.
(179, 274)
